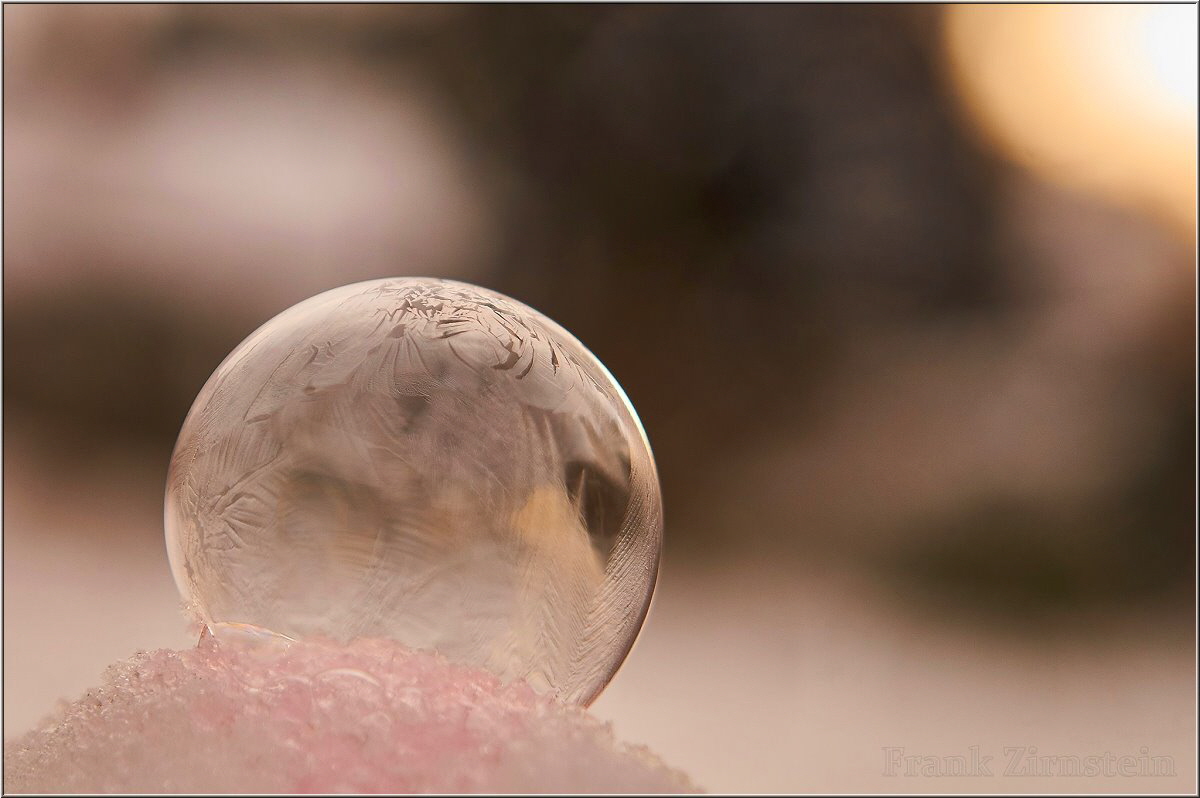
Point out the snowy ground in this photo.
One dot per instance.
(750, 677)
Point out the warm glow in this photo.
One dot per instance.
(1097, 97)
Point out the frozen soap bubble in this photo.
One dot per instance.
(423, 461)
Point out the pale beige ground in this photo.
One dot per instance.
(751, 676)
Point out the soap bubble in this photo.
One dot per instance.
(423, 461)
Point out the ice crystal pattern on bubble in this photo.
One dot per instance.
(428, 462)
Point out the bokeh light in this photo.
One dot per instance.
(1100, 98)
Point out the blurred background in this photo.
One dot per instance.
(904, 296)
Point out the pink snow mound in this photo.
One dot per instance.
(241, 716)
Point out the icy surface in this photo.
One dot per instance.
(428, 462)
(247, 715)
